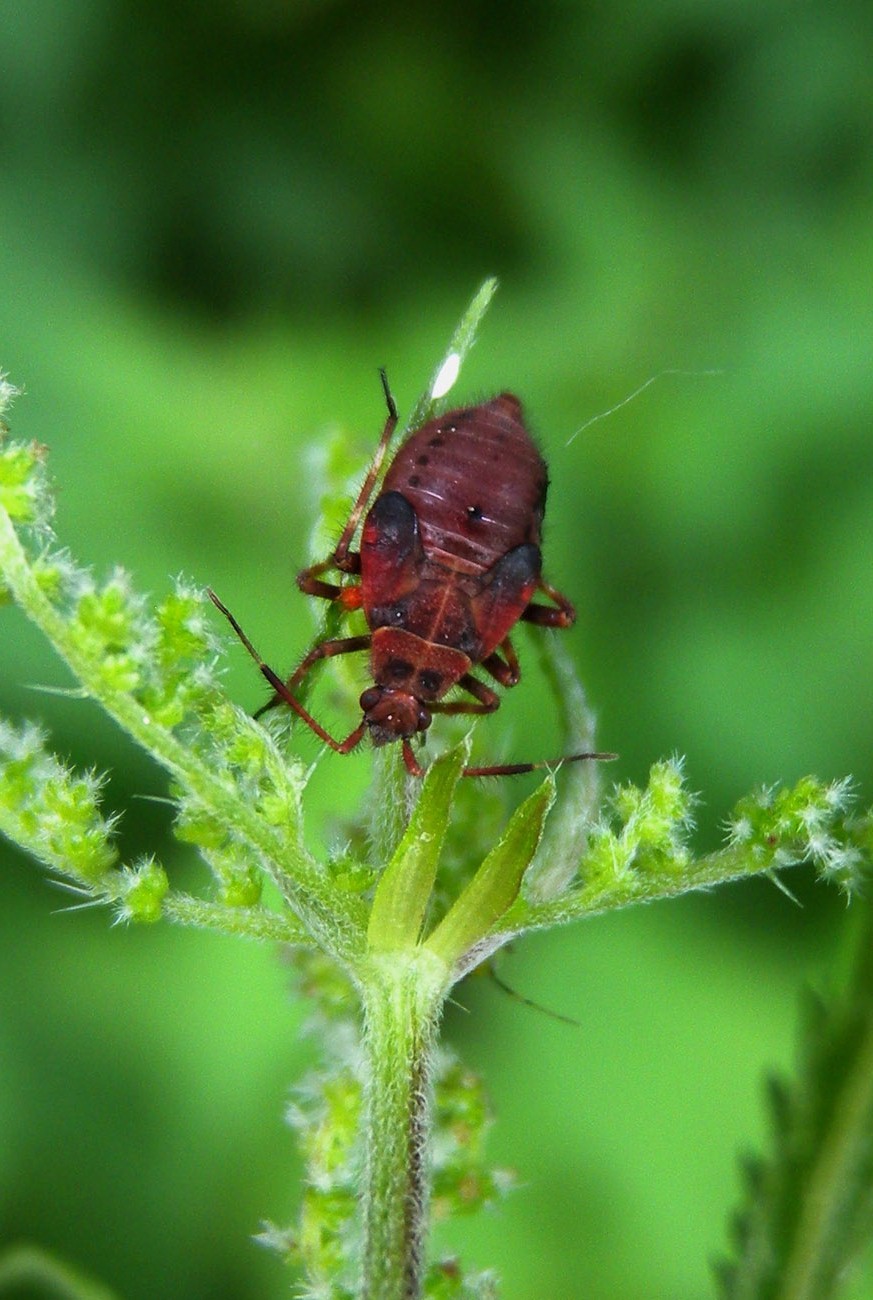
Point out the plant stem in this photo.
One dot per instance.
(403, 994)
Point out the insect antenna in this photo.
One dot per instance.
(518, 769)
(529, 1002)
(340, 746)
(342, 547)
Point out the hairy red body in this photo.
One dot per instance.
(449, 561)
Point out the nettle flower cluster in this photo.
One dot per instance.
(383, 931)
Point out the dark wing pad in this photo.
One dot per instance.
(391, 552)
(506, 590)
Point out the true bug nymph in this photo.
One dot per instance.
(448, 562)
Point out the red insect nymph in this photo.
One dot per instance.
(448, 561)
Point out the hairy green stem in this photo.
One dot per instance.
(720, 867)
(250, 923)
(325, 912)
(403, 997)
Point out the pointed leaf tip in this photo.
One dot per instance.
(404, 890)
(495, 886)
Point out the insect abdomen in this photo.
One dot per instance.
(476, 483)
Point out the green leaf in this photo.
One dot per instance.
(403, 892)
(495, 885)
(809, 1206)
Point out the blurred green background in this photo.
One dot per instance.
(216, 222)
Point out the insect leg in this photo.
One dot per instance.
(563, 616)
(309, 580)
(341, 557)
(324, 650)
(506, 670)
(347, 561)
(488, 700)
(283, 692)
(412, 764)
(507, 673)
(310, 583)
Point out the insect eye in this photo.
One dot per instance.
(370, 698)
